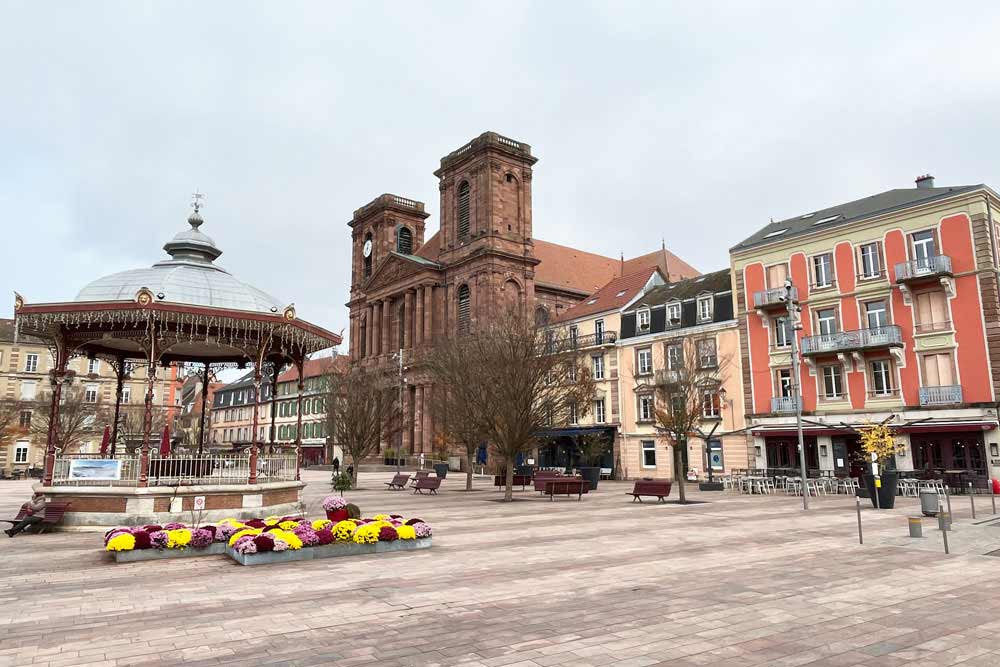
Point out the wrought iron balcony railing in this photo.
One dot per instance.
(773, 297)
(849, 341)
(784, 404)
(943, 395)
(666, 376)
(571, 342)
(924, 267)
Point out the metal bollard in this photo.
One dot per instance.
(993, 497)
(916, 526)
(972, 500)
(944, 536)
(944, 520)
(947, 497)
(861, 539)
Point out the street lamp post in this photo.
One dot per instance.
(792, 308)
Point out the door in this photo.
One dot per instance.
(841, 465)
(924, 248)
(715, 454)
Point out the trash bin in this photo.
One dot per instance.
(929, 502)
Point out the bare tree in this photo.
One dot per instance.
(689, 404)
(78, 419)
(454, 405)
(515, 380)
(362, 410)
(131, 430)
(9, 425)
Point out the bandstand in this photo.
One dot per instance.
(182, 310)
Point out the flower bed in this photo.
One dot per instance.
(322, 538)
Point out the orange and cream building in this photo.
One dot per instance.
(898, 319)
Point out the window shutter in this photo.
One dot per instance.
(463, 309)
(463, 211)
(879, 268)
(404, 241)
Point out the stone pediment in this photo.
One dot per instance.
(396, 268)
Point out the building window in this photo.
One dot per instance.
(675, 357)
(598, 366)
(25, 419)
(711, 406)
(572, 413)
(784, 378)
(90, 393)
(823, 270)
(876, 314)
(924, 247)
(93, 366)
(574, 335)
(707, 357)
(599, 411)
(870, 260)
(931, 311)
(21, 452)
(368, 251)
(541, 316)
(643, 319)
(463, 309)
(30, 363)
(704, 308)
(648, 454)
(463, 211)
(645, 361)
(939, 371)
(782, 332)
(28, 390)
(646, 408)
(599, 331)
(404, 241)
(826, 321)
(673, 314)
(572, 372)
(833, 382)
(881, 377)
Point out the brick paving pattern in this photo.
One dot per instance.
(733, 582)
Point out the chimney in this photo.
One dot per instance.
(924, 182)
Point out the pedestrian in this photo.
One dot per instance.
(336, 465)
(35, 513)
(350, 470)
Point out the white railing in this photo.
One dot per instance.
(943, 395)
(923, 267)
(129, 471)
(784, 403)
(183, 470)
(772, 297)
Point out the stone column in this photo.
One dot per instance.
(418, 317)
(370, 349)
(407, 330)
(376, 329)
(428, 322)
(386, 325)
(448, 326)
(427, 420)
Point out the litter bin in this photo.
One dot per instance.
(929, 502)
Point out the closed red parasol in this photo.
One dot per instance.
(106, 440)
(165, 442)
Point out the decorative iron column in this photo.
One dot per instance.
(147, 417)
(119, 393)
(300, 366)
(57, 378)
(274, 405)
(256, 420)
(204, 408)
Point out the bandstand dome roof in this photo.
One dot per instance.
(190, 276)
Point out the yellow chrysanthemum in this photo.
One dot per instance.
(381, 517)
(288, 525)
(272, 519)
(231, 522)
(291, 539)
(367, 534)
(246, 531)
(121, 542)
(344, 529)
(178, 539)
(320, 524)
(406, 532)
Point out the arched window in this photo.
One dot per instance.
(463, 211)
(305, 407)
(370, 249)
(541, 316)
(404, 241)
(463, 309)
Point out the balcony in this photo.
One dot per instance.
(853, 341)
(581, 342)
(666, 377)
(784, 404)
(925, 268)
(773, 299)
(949, 394)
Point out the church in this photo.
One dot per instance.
(407, 291)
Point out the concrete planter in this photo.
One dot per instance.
(328, 551)
(136, 555)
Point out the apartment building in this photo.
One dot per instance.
(682, 332)
(24, 387)
(899, 319)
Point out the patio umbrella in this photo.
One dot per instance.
(105, 440)
(165, 442)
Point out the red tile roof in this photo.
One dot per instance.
(612, 296)
(317, 367)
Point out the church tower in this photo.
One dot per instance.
(388, 223)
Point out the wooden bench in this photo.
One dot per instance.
(431, 484)
(522, 481)
(660, 488)
(566, 486)
(420, 474)
(53, 515)
(398, 482)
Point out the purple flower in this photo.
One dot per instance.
(245, 545)
(331, 503)
(280, 545)
(307, 535)
(422, 529)
(158, 539)
(225, 531)
(201, 538)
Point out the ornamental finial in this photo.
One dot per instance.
(195, 219)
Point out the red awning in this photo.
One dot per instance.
(806, 430)
(963, 427)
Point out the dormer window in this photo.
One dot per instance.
(705, 308)
(642, 319)
(673, 314)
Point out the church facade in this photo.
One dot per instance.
(408, 291)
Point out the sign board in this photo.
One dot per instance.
(95, 469)
(199, 503)
(840, 463)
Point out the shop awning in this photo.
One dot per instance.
(947, 427)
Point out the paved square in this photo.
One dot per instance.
(736, 581)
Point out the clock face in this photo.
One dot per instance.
(367, 249)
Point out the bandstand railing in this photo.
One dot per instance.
(183, 470)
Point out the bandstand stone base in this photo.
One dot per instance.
(102, 507)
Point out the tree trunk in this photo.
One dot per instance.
(679, 474)
(468, 469)
(508, 493)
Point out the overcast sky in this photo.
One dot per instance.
(694, 122)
